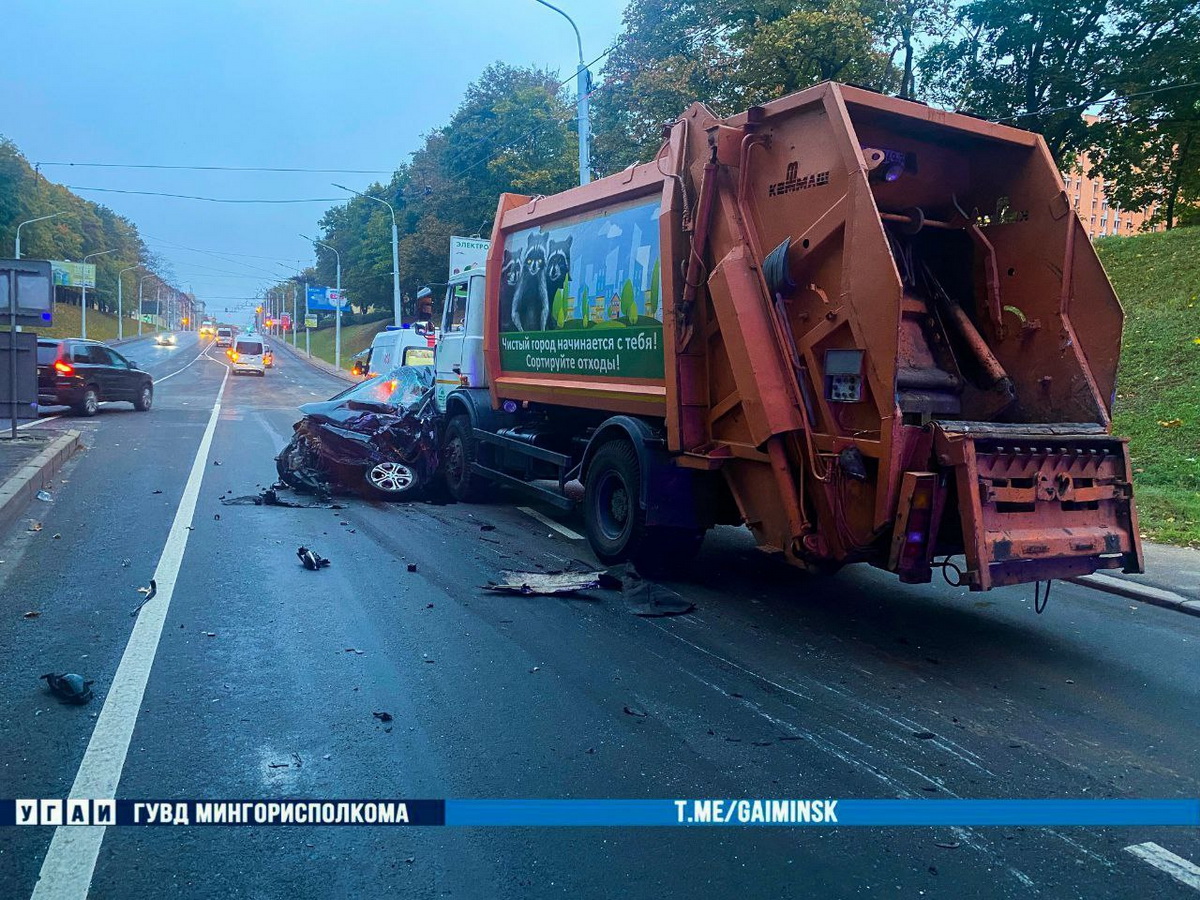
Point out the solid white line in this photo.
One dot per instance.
(67, 870)
(1182, 870)
(561, 529)
(202, 353)
(40, 421)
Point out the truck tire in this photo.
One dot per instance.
(458, 453)
(616, 523)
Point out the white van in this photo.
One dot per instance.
(398, 346)
(246, 354)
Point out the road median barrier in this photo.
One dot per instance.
(34, 474)
(1142, 593)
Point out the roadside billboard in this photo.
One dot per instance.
(467, 253)
(73, 274)
(328, 298)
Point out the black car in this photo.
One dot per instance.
(380, 435)
(82, 374)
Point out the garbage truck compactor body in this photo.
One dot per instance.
(866, 329)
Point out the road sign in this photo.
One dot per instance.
(310, 321)
(26, 284)
(286, 321)
(467, 253)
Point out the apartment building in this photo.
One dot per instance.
(1099, 215)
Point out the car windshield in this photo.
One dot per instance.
(402, 387)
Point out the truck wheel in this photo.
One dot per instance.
(458, 452)
(616, 523)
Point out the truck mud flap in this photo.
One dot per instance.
(1040, 502)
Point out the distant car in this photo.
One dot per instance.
(246, 354)
(380, 434)
(268, 357)
(224, 337)
(165, 339)
(83, 374)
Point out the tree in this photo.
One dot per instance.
(1146, 145)
(1040, 63)
(730, 55)
(512, 132)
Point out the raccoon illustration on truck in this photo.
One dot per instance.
(867, 330)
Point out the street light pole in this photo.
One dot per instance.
(337, 319)
(17, 247)
(120, 302)
(582, 88)
(83, 294)
(396, 308)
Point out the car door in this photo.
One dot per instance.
(116, 376)
(127, 379)
(91, 366)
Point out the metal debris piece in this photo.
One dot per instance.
(44, 496)
(643, 597)
(636, 713)
(545, 584)
(32, 614)
(149, 592)
(69, 687)
(383, 716)
(412, 567)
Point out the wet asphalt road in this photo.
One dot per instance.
(779, 684)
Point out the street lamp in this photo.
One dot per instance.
(120, 302)
(17, 247)
(337, 319)
(83, 293)
(582, 88)
(396, 311)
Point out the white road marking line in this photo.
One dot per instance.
(177, 371)
(40, 421)
(67, 869)
(550, 523)
(1182, 870)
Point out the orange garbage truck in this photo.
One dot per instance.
(868, 330)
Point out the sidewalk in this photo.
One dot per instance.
(28, 465)
(315, 361)
(1171, 579)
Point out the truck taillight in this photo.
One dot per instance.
(63, 368)
(915, 527)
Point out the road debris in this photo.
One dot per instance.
(383, 716)
(354, 650)
(58, 536)
(545, 583)
(35, 526)
(69, 687)
(636, 713)
(924, 735)
(44, 496)
(645, 598)
(149, 592)
(311, 559)
(947, 845)
(32, 614)
(412, 567)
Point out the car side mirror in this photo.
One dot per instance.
(132, 364)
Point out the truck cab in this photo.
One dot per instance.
(459, 362)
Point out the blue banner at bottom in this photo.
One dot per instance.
(695, 812)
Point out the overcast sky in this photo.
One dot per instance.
(282, 83)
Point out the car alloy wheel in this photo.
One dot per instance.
(391, 477)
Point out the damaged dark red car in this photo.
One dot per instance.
(378, 437)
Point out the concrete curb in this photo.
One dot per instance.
(315, 362)
(1142, 593)
(19, 489)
